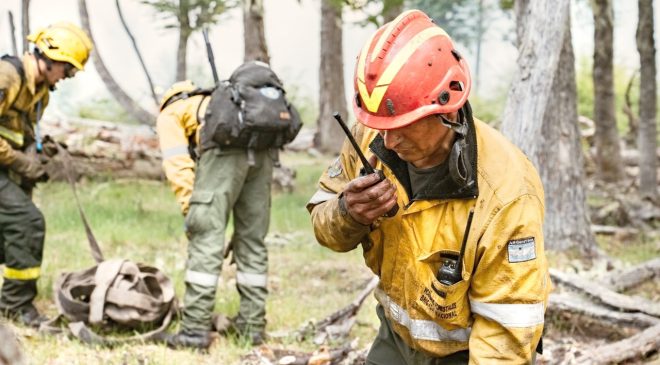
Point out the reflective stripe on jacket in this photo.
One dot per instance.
(18, 107)
(497, 310)
(176, 125)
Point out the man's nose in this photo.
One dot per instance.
(391, 139)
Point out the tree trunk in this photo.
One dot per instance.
(117, 92)
(550, 139)
(608, 154)
(12, 32)
(256, 47)
(478, 41)
(184, 34)
(25, 23)
(331, 79)
(137, 51)
(646, 141)
(567, 220)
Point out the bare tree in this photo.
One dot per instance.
(647, 137)
(12, 33)
(117, 92)
(544, 85)
(204, 13)
(330, 137)
(25, 23)
(608, 152)
(256, 47)
(137, 51)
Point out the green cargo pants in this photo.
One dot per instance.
(224, 183)
(389, 349)
(22, 231)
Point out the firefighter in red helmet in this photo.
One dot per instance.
(463, 274)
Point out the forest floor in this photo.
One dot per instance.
(140, 220)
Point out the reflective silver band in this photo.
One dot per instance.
(419, 329)
(201, 278)
(510, 315)
(321, 196)
(250, 279)
(13, 136)
(175, 151)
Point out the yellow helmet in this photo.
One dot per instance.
(179, 87)
(63, 42)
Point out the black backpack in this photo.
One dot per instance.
(250, 110)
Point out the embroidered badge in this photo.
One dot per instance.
(335, 169)
(521, 250)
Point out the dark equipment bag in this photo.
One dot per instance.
(116, 294)
(250, 110)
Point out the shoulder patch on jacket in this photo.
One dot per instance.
(521, 250)
(335, 169)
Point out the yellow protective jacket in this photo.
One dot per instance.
(178, 127)
(497, 310)
(20, 102)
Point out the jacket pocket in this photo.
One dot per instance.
(200, 214)
(441, 300)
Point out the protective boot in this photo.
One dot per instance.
(195, 339)
(26, 315)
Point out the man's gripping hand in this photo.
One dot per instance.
(367, 198)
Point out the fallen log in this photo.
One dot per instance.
(606, 296)
(631, 348)
(116, 150)
(339, 323)
(610, 322)
(630, 278)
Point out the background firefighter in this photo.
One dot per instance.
(60, 51)
(213, 174)
(463, 274)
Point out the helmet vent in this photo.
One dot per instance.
(443, 98)
(456, 86)
(358, 102)
(456, 55)
(390, 106)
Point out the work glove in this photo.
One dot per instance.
(49, 146)
(29, 166)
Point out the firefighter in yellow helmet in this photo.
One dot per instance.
(463, 274)
(60, 51)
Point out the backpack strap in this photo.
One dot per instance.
(18, 65)
(185, 95)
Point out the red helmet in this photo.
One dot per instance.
(407, 70)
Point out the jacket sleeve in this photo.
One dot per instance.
(179, 167)
(510, 285)
(337, 231)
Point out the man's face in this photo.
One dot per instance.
(424, 143)
(59, 71)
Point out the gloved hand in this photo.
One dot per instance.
(29, 166)
(49, 146)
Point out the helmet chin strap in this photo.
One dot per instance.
(459, 163)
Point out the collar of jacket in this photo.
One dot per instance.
(446, 188)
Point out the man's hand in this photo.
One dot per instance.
(366, 198)
(29, 166)
(50, 147)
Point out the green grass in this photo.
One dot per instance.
(140, 220)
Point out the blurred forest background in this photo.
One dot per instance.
(572, 83)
